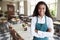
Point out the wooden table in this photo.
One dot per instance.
(15, 19)
(3, 20)
(56, 23)
(57, 27)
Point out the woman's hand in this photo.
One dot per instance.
(49, 30)
(36, 31)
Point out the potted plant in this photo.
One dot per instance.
(24, 26)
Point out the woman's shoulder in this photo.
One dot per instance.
(34, 19)
(49, 19)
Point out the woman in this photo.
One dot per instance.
(42, 24)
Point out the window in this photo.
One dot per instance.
(52, 4)
(53, 8)
(21, 7)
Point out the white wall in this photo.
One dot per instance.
(58, 10)
(4, 6)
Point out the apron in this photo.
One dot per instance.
(41, 27)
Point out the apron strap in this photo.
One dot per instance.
(45, 20)
(36, 20)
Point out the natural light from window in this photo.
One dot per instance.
(52, 4)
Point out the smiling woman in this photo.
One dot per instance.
(42, 23)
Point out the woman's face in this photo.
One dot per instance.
(41, 9)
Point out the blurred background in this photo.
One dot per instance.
(18, 13)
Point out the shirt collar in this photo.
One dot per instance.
(42, 17)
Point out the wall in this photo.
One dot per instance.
(58, 10)
(3, 4)
(25, 7)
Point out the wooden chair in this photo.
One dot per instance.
(15, 35)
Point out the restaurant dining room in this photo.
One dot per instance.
(16, 19)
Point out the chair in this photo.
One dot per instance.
(15, 35)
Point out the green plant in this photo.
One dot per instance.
(53, 12)
(23, 25)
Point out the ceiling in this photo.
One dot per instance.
(11, 0)
(14, 0)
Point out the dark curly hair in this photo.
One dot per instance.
(47, 13)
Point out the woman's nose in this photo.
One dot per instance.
(41, 10)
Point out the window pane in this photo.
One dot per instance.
(21, 7)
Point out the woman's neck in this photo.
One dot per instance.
(41, 16)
